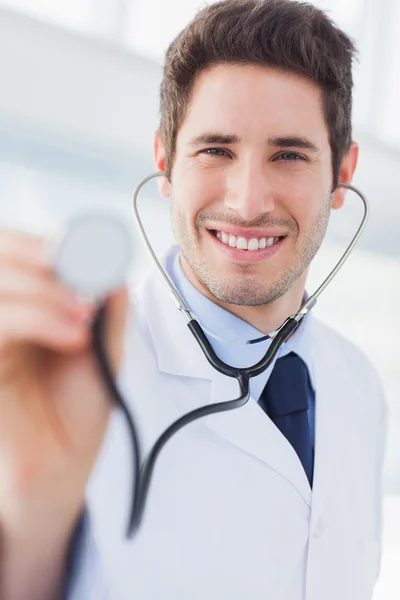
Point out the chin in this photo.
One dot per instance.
(243, 291)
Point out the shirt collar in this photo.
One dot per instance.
(229, 327)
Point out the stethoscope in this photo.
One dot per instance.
(143, 470)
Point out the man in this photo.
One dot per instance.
(254, 503)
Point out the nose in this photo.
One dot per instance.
(249, 191)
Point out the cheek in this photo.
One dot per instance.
(198, 190)
(305, 202)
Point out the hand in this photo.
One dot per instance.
(53, 407)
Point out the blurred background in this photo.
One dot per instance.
(79, 83)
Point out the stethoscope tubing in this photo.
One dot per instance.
(306, 307)
(144, 469)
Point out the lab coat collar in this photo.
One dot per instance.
(176, 350)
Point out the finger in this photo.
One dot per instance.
(24, 249)
(41, 326)
(25, 286)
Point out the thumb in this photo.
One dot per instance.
(115, 319)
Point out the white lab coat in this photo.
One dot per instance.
(230, 512)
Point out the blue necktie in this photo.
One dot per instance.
(285, 400)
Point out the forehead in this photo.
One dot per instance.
(250, 99)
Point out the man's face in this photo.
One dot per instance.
(251, 182)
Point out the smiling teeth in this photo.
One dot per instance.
(244, 244)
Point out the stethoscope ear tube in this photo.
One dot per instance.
(179, 301)
(143, 471)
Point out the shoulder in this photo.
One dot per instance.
(342, 352)
(349, 362)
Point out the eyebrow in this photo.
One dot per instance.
(292, 142)
(276, 142)
(214, 138)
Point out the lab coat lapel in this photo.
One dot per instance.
(247, 427)
(251, 429)
(176, 350)
(331, 411)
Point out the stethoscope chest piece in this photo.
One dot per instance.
(93, 254)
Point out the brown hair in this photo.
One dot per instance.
(284, 34)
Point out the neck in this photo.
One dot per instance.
(267, 317)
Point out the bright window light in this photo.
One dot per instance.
(73, 14)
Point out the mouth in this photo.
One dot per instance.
(246, 247)
(250, 244)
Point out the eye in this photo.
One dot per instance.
(289, 157)
(214, 152)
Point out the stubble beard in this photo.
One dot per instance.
(245, 289)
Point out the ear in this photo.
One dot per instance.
(160, 162)
(346, 172)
